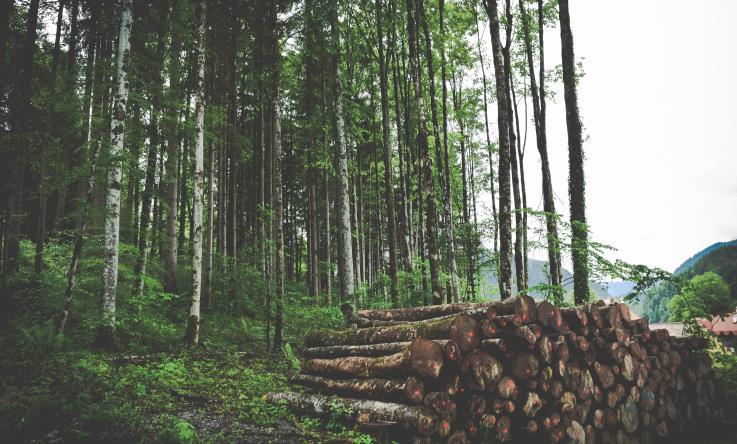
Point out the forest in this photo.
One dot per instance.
(192, 190)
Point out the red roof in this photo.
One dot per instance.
(726, 325)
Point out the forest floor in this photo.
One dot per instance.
(61, 389)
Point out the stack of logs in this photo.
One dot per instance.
(507, 371)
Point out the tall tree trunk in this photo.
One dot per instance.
(448, 201)
(84, 214)
(405, 215)
(345, 246)
(489, 150)
(519, 263)
(442, 175)
(576, 179)
(277, 166)
(57, 43)
(150, 183)
(207, 296)
(520, 155)
(78, 243)
(388, 168)
(193, 322)
(328, 248)
(502, 93)
(148, 191)
(431, 231)
(170, 247)
(538, 109)
(115, 172)
(457, 94)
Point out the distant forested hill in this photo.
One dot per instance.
(690, 262)
(720, 258)
(537, 272)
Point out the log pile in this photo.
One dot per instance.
(508, 371)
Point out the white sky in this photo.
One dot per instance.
(657, 103)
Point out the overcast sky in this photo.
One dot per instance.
(658, 105)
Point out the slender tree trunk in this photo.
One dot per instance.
(207, 296)
(502, 93)
(576, 179)
(405, 216)
(489, 150)
(448, 201)
(78, 243)
(170, 247)
(148, 191)
(150, 183)
(388, 168)
(442, 175)
(112, 216)
(345, 247)
(193, 323)
(276, 151)
(328, 248)
(424, 152)
(457, 93)
(538, 109)
(57, 43)
(519, 263)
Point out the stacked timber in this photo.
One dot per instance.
(508, 371)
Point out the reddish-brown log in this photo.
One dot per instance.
(504, 429)
(525, 366)
(452, 351)
(423, 357)
(506, 388)
(549, 316)
(476, 406)
(465, 331)
(483, 369)
(439, 401)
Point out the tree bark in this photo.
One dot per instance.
(505, 217)
(193, 323)
(431, 230)
(443, 173)
(538, 106)
(170, 245)
(78, 243)
(391, 230)
(576, 179)
(276, 151)
(112, 216)
(408, 390)
(416, 418)
(423, 358)
(488, 136)
(345, 247)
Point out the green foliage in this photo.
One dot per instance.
(181, 432)
(142, 391)
(719, 259)
(704, 295)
